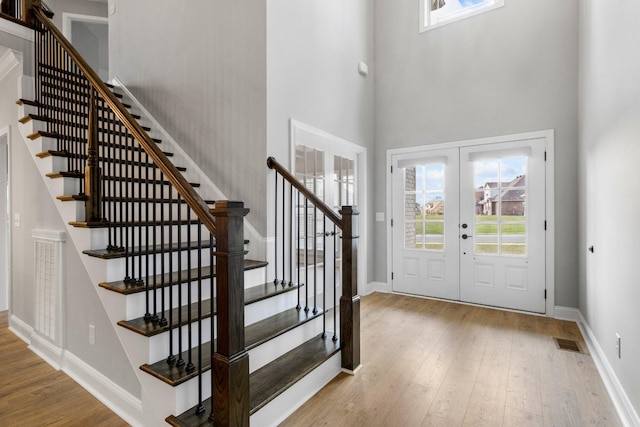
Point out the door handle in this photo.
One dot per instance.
(465, 236)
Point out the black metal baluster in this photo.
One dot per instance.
(128, 189)
(144, 206)
(190, 366)
(200, 408)
(324, 276)
(275, 233)
(315, 260)
(290, 234)
(163, 319)
(138, 174)
(298, 249)
(284, 182)
(335, 287)
(154, 204)
(306, 254)
(180, 362)
(172, 358)
(213, 307)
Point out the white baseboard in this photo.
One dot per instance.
(621, 401)
(47, 351)
(567, 313)
(20, 329)
(120, 401)
(377, 287)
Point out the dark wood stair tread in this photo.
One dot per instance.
(32, 103)
(43, 133)
(255, 334)
(111, 160)
(146, 250)
(125, 288)
(80, 175)
(271, 380)
(83, 197)
(149, 328)
(102, 120)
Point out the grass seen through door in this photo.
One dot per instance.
(486, 225)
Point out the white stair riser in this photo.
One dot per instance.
(136, 303)
(116, 269)
(25, 110)
(272, 349)
(159, 344)
(186, 394)
(128, 211)
(269, 307)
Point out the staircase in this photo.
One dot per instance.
(170, 266)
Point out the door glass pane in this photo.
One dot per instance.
(424, 207)
(500, 200)
(344, 182)
(309, 170)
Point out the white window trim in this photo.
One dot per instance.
(426, 26)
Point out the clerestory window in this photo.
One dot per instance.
(436, 13)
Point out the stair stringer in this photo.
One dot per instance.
(257, 243)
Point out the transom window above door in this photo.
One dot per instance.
(436, 13)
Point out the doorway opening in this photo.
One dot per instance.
(90, 36)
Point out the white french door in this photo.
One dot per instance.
(425, 229)
(469, 224)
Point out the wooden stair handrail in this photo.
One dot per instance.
(174, 176)
(272, 163)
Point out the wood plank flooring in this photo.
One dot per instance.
(34, 394)
(425, 363)
(435, 363)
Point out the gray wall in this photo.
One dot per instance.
(508, 71)
(4, 221)
(609, 206)
(314, 48)
(199, 67)
(38, 211)
(82, 7)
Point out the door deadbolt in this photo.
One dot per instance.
(465, 236)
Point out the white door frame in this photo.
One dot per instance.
(548, 135)
(5, 132)
(68, 18)
(361, 152)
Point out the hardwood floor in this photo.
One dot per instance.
(425, 363)
(432, 363)
(32, 393)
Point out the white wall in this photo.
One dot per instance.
(313, 51)
(30, 199)
(199, 67)
(508, 71)
(609, 153)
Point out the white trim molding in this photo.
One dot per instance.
(124, 404)
(621, 401)
(305, 134)
(69, 18)
(8, 62)
(16, 29)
